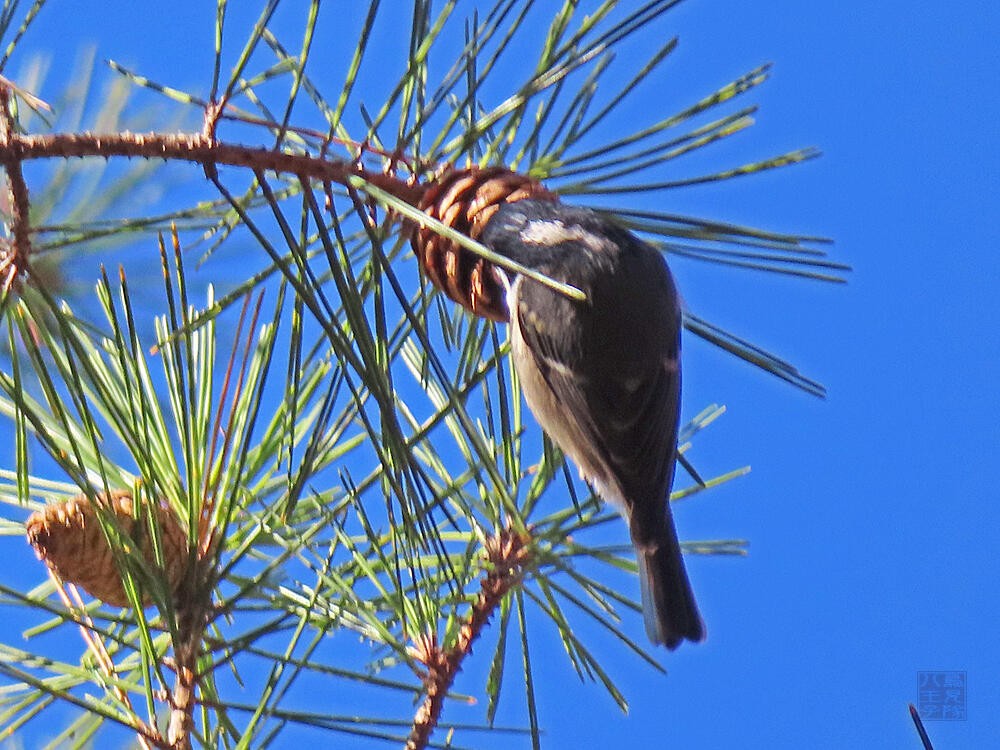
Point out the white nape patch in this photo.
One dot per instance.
(550, 233)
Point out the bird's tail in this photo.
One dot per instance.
(668, 604)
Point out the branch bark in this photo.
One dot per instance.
(14, 260)
(509, 554)
(199, 149)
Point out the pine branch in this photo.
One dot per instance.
(509, 555)
(200, 149)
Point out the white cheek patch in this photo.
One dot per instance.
(550, 233)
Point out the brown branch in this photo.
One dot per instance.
(14, 260)
(194, 605)
(182, 698)
(199, 149)
(509, 555)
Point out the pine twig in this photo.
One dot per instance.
(14, 260)
(197, 148)
(182, 698)
(509, 555)
(194, 609)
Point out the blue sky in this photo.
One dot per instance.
(871, 516)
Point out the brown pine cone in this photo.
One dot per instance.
(465, 199)
(68, 537)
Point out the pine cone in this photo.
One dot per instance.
(465, 199)
(68, 537)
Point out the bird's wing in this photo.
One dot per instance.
(627, 412)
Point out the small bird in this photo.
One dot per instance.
(602, 377)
